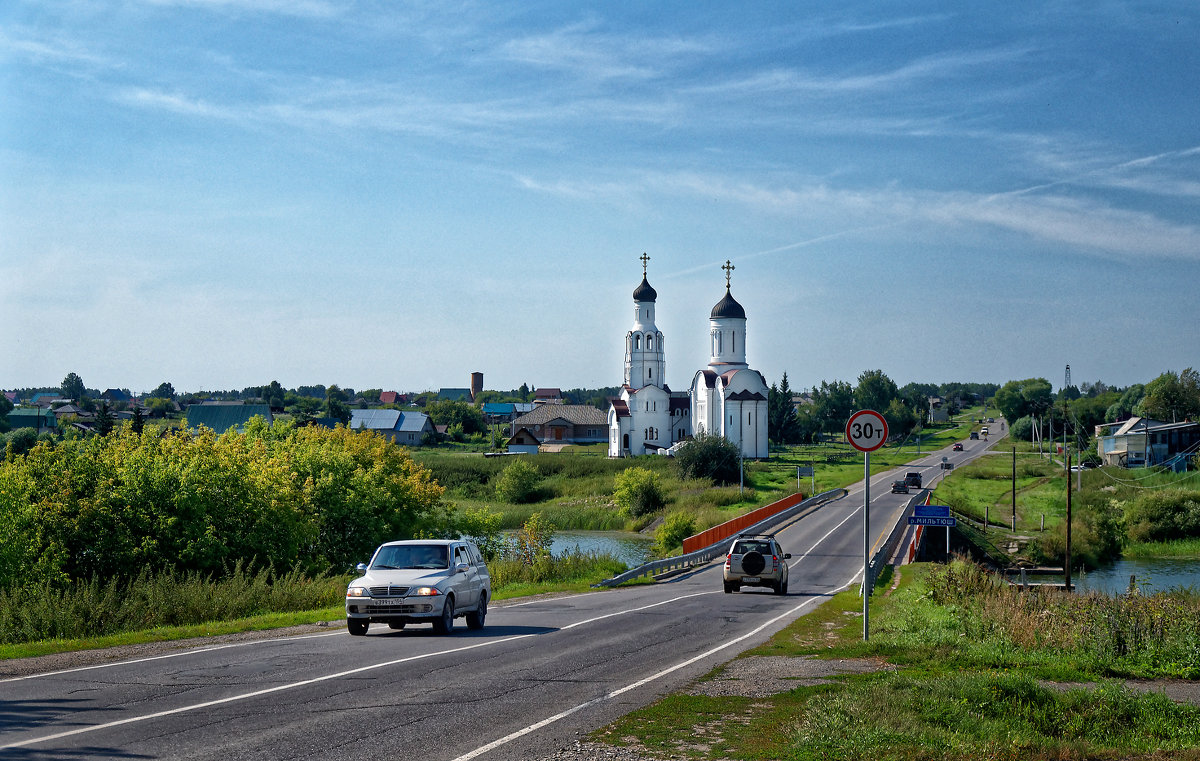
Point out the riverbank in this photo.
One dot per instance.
(946, 674)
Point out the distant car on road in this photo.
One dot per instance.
(427, 581)
(991, 420)
(974, 435)
(913, 478)
(957, 446)
(899, 487)
(756, 560)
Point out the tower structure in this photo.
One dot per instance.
(728, 398)
(647, 417)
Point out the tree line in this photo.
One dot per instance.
(824, 410)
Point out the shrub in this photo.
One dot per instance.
(1022, 429)
(638, 492)
(674, 529)
(518, 483)
(533, 541)
(710, 456)
(1163, 515)
(482, 527)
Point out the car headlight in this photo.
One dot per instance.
(425, 592)
(357, 592)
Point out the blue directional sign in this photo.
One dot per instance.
(917, 520)
(931, 511)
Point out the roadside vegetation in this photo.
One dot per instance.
(959, 665)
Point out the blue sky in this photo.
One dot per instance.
(221, 193)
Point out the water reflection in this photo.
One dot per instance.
(1151, 575)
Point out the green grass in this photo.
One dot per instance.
(970, 678)
(1180, 548)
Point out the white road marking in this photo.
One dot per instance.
(327, 677)
(632, 686)
(169, 655)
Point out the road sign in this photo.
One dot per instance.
(931, 511)
(802, 470)
(918, 520)
(866, 430)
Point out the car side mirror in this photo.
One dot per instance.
(361, 567)
(787, 556)
(462, 568)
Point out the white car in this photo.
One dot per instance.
(420, 581)
(756, 560)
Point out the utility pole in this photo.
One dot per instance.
(1014, 488)
(1067, 569)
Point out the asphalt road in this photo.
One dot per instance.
(542, 672)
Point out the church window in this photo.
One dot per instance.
(649, 342)
(637, 341)
(649, 372)
(733, 340)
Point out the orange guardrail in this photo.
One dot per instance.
(732, 527)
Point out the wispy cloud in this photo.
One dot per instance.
(584, 49)
(300, 8)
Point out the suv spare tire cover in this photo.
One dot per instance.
(753, 563)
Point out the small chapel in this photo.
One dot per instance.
(727, 398)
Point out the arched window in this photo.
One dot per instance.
(637, 341)
(649, 372)
(649, 342)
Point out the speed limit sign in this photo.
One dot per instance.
(866, 430)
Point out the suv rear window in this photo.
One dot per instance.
(752, 545)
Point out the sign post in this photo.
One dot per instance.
(866, 430)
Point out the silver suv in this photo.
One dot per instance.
(420, 581)
(756, 560)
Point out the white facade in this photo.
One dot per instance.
(640, 421)
(728, 398)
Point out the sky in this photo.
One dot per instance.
(221, 193)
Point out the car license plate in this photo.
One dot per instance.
(389, 601)
(750, 579)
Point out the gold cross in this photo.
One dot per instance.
(729, 268)
(644, 259)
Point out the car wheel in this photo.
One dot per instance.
(728, 587)
(445, 624)
(781, 587)
(476, 618)
(357, 626)
(395, 625)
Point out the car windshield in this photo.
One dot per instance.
(421, 556)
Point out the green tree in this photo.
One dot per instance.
(449, 413)
(335, 405)
(5, 407)
(833, 403)
(305, 409)
(1123, 408)
(900, 419)
(518, 483)
(104, 420)
(1032, 396)
(1171, 397)
(160, 408)
(164, 391)
(875, 391)
(710, 456)
(138, 422)
(782, 424)
(638, 491)
(72, 387)
(534, 539)
(274, 395)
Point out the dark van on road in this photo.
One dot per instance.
(913, 478)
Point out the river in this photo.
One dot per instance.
(1151, 574)
(629, 547)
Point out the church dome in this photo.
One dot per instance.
(728, 307)
(644, 292)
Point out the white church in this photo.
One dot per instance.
(727, 398)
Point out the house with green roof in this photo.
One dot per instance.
(222, 417)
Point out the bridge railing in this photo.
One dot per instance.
(707, 553)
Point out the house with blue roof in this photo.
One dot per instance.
(222, 417)
(401, 426)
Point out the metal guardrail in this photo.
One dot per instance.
(702, 556)
(887, 549)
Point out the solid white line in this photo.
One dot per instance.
(327, 677)
(169, 655)
(608, 696)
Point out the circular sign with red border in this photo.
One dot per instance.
(866, 430)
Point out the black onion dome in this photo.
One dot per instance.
(644, 292)
(728, 307)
